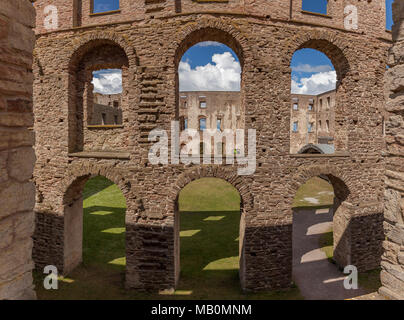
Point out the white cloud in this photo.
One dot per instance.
(108, 81)
(311, 69)
(222, 75)
(315, 84)
(209, 44)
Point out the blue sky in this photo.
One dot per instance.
(105, 5)
(201, 54)
(214, 66)
(389, 18)
(320, 6)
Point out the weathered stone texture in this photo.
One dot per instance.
(17, 158)
(392, 275)
(147, 40)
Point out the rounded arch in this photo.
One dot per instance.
(81, 45)
(212, 32)
(220, 172)
(93, 53)
(332, 47)
(337, 177)
(246, 204)
(77, 177)
(73, 209)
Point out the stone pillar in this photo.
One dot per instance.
(392, 275)
(17, 157)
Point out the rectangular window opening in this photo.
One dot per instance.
(100, 6)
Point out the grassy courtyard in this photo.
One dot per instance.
(210, 216)
(209, 219)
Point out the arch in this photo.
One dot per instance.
(317, 148)
(240, 183)
(246, 204)
(341, 208)
(332, 47)
(339, 179)
(93, 55)
(79, 174)
(73, 218)
(211, 30)
(82, 44)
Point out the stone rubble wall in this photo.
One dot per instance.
(149, 52)
(392, 275)
(17, 157)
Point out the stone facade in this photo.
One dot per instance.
(312, 120)
(212, 110)
(392, 275)
(17, 157)
(106, 110)
(146, 40)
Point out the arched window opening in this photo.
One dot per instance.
(314, 88)
(98, 97)
(209, 76)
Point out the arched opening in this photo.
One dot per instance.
(318, 69)
(94, 230)
(208, 237)
(98, 97)
(320, 238)
(209, 88)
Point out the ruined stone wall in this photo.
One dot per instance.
(392, 275)
(219, 105)
(326, 115)
(108, 99)
(153, 49)
(321, 117)
(106, 110)
(17, 192)
(303, 117)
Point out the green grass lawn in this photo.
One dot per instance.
(210, 217)
(315, 193)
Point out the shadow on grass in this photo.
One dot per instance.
(209, 257)
(104, 236)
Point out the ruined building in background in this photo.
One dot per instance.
(392, 275)
(312, 118)
(219, 110)
(106, 110)
(146, 41)
(17, 158)
(312, 123)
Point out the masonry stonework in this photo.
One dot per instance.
(17, 157)
(392, 275)
(146, 40)
(312, 120)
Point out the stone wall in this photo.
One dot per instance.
(148, 50)
(321, 118)
(392, 275)
(17, 193)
